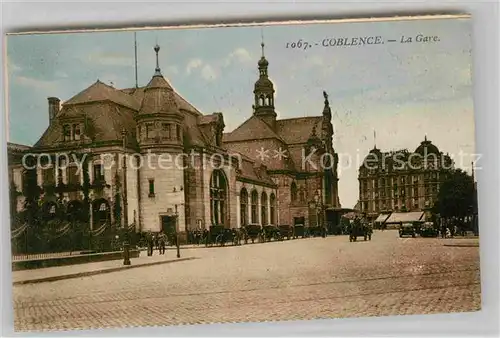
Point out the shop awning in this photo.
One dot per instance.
(382, 218)
(405, 217)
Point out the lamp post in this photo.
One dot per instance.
(177, 232)
(126, 244)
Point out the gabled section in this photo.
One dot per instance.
(298, 130)
(252, 129)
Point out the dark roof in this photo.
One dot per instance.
(251, 129)
(426, 147)
(99, 92)
(16, 147)
(253, 171)
(158, 97)
(298, 130)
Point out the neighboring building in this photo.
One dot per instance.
(297, 152)
(401, 180)
(155, 129)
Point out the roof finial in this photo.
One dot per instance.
(374, 139)
(157, 70)
(425, 138)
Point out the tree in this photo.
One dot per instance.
(32, 193)
(456, 195)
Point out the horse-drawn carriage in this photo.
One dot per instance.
(271, 232)
(220, 235)
(286, 231)
(251, 232)
(299, 230)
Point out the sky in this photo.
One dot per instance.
(392, 94)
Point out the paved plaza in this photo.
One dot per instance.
(289, 280)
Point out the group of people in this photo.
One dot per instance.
(159, 241)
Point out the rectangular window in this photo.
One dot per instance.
(178, 131)
(76, 132)
(67, 132)
(151, 188)
(98, 173)
(49, 176)
(166, 131)
(149, 130)
(73, 176)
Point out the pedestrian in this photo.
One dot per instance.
(161, 243)
(150, 243)
(443, 229)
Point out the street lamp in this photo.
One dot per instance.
(177, 232)
(126, 244)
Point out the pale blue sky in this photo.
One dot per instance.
(403, 91)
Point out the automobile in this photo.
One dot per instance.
(428, 230)
(407, 229)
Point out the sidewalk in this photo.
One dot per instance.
(90, 269)
(461, 241)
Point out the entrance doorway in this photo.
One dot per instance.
(168, 224)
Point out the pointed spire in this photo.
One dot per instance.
(262, 41)
(374, 139)
(473, 178)
(157, 69)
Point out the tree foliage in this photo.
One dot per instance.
(456, 195)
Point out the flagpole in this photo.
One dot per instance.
(135, 54)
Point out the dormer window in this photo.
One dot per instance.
(67, 132)
(72, 132)
(76, 131)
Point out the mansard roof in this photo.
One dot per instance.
(99, 92)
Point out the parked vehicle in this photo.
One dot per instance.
(429, 230)
(407, 229)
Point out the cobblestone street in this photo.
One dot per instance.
(297, 279)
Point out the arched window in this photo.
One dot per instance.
(255, 198)
(272, 202)
(302, 196)
(262, 100)
(263, 208)
(293, 192)
(218, 197)
(244, 207)
(101, 212)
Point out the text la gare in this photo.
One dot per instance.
(419, 38)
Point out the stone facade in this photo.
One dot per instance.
(401, 180)
(179, 174)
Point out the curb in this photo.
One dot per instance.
(97, 272)
(463, 245)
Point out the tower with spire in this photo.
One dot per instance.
(159, 120)
(159, 124)
(264, 93)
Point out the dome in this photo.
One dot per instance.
(264, 83)
(426, 147)
(263, 62)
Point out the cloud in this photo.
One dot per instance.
(240, 55)
(208, 73)
(193, 64)
(36, 83)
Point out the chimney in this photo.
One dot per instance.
(54, 105)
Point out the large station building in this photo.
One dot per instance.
(154, 158)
